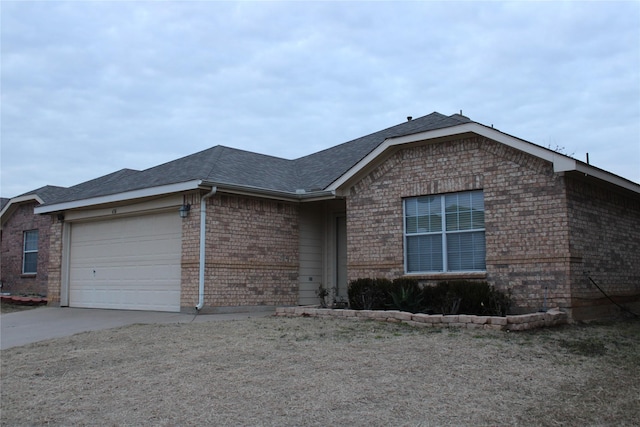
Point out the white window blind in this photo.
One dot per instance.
(445, 233)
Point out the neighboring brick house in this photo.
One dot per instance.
(435, 198)
(24, 247)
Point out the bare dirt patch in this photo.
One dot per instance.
(302, 371)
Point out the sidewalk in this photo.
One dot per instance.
(39, 324)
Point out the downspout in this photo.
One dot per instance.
(203, 234)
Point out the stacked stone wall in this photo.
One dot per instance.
(525, 216)
(523, 322)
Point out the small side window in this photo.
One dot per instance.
(30, 254)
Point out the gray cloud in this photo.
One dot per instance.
(93, 87)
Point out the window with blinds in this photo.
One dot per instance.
(445, 233)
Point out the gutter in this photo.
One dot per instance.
(248, 190)
(126, 196)
(203, 235)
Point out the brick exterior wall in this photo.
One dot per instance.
(55, 263)
(21, 220)
(251, 252)
(526, 218)
(604, 228)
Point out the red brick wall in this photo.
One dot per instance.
(252, 252)
(604, 241)
(525, 216)
(21, 220)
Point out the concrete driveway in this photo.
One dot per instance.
(29, 326)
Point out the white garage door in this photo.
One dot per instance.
(127, 263)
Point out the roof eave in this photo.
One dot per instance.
(391, 143)
(603, 175)
(11, 204)
(247, 190)
(561, 163)
(186, 186)
(120, 197)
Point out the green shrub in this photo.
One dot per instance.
(474, 296)
(406, 295)
(441, 299)
(466, 297)
(356, 291)
(448, 297)
(369, 294)
(499, 302)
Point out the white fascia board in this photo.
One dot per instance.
(245, 190)
(603, 175)
(316, 196)
(392, 142)
(561, 163)
(20, 199)
(121, 197)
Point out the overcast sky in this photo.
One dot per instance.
(89, 88)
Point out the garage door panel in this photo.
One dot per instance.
(128, 263)
(134, 263)
(126, 300)
(154, 274)
(125, 247)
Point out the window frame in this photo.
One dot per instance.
(443, 233)
(30, 251)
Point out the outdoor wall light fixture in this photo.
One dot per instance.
(184, 210)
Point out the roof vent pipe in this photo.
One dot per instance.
(409, 118)
(203, 235)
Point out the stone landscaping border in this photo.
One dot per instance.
(520, 322)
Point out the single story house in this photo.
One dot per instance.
(436, 198)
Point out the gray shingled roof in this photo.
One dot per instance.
(218, 164)
(3, 202)
(48, 193)
(319, 170)
(223, 165)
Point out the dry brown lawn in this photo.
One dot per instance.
(12, 308)
(323, 372)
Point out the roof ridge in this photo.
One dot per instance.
(217, 155)
(417, 119)
(242, 167)
(41, 189)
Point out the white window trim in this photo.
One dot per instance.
(444, 233)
